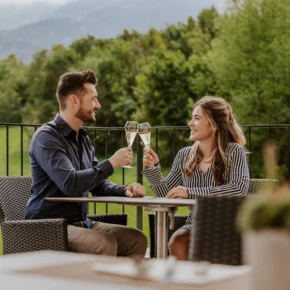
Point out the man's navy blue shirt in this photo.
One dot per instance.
(63, 167)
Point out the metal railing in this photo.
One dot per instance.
(169, 138)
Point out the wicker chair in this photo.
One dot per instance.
(179, 221)
(21, 235)
(215, 237)
(258, 185)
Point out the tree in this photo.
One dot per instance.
(207, 21)
(12, 89)
(119, 68)
(85, 46)
(251, 60)
(165, 96)
(165, 89)
(42, 105)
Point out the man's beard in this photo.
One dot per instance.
(85, 115)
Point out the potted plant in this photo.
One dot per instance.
(265, 222)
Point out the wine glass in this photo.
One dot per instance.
(144, 131)
(131, 128)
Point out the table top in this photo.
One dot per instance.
(48, 270)
(139, 201)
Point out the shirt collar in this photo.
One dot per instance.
(65, 128)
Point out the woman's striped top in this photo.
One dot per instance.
(201, 184)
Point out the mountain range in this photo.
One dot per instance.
(27, 29)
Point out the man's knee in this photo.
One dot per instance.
(143, 241)
(108, 246)
(140, 240)
(133, 243)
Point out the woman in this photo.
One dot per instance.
(214, 165)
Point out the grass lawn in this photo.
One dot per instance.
(15, 169)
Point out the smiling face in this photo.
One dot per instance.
(89, 104)
(200, 127)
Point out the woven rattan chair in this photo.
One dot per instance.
(179, 221)
(259, 185)
(215, 237)
(21, 235)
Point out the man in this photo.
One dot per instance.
(63, 164)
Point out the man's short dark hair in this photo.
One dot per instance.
(73, 83)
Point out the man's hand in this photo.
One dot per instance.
(178, 192)
(122, 157)
(150, 158)
(135, 190)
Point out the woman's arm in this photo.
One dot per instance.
(161, 185)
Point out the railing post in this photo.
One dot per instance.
(173, 144)
(106, 154)
(250, 146)
(139, 210)
(21, 150)
(156, 142)
(123, 169)
(7, 150)
(288, 161)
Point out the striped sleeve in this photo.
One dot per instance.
(239, 178)
(161, 185)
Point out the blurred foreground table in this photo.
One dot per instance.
(48, 270)
(161, 205)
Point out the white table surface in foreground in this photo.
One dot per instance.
(161, 205)
(48, 270)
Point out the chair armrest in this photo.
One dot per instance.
(34, 235)
(119, 219)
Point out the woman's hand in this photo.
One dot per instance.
(150, 158)
(178, 192)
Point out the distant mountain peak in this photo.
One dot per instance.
(41, 25)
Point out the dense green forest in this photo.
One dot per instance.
(242, 55)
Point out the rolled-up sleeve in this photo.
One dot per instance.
(108, 188)
(161, 185)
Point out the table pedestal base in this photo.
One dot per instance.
(162, 229)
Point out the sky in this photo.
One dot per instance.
(220, 4)
(27, 2)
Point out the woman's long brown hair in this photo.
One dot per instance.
(219, 113)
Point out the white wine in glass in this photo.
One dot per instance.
(131, 129)
(130, 135)
(144, 131)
